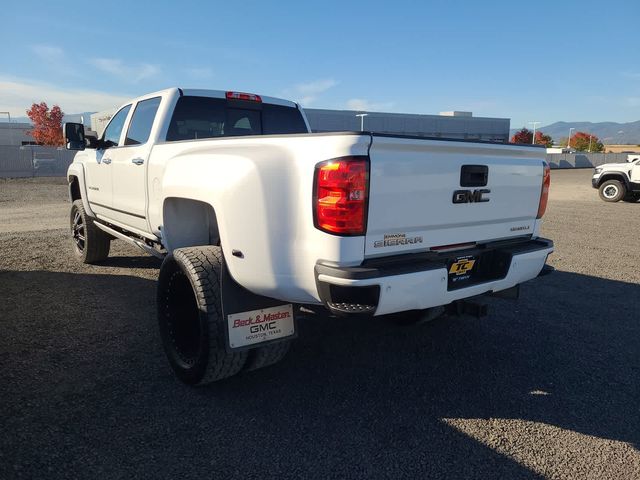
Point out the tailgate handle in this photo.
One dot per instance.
(474, 176)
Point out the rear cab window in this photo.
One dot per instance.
(205, 117)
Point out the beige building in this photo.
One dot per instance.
(100, 120)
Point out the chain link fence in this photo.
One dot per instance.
(34, 161)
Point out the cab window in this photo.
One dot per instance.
(142, 121)
(205, 117)
(111, 137)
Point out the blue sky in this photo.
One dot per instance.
(545, 61)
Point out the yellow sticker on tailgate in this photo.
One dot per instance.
(462, 266)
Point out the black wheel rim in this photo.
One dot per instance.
(78, 230)
(183, 321)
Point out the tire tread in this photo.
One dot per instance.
(204, 266)
(97, 243)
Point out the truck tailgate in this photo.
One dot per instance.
(412, 188)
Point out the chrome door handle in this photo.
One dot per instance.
(137, 161)
(106, 161)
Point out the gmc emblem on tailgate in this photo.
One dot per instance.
(470, 196)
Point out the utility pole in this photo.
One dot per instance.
(362, 115)
(533, 140)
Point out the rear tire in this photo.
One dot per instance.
(612, 191)
(192, 326)
(90, 244)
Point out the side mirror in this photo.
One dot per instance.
(74, 136)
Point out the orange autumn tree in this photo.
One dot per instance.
(526, 136)
(47, 124)
(522, 136)
(586, 142)
(542, 139)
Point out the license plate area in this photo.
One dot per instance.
(259, 327)
(479, 267)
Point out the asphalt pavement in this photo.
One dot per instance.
(545, 387)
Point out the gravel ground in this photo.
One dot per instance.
(544, 387)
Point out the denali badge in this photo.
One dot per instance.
(393, 239)
(470, 196)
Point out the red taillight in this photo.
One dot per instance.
(249, 97)
(340, 195)
(544, 195)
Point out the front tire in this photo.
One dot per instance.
(190, 318)
(612, 191)
(90, 244)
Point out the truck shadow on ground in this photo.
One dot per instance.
(146, 261)
(88, 390)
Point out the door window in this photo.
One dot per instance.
(112, 133)
(142, 121)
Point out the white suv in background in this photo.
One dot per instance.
(618, 181)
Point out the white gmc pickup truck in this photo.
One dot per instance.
(255, 217)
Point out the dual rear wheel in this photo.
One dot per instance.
(191, 321)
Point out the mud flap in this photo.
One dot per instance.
(253, 320)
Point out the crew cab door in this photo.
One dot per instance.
(130, 166)
(99, 173)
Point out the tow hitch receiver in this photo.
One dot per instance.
(467, 307)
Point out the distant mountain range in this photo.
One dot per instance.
(607, 132)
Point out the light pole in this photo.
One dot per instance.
(362, 115)
(533, 140)
(590, 137)
(8, 114)
(569, 139)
